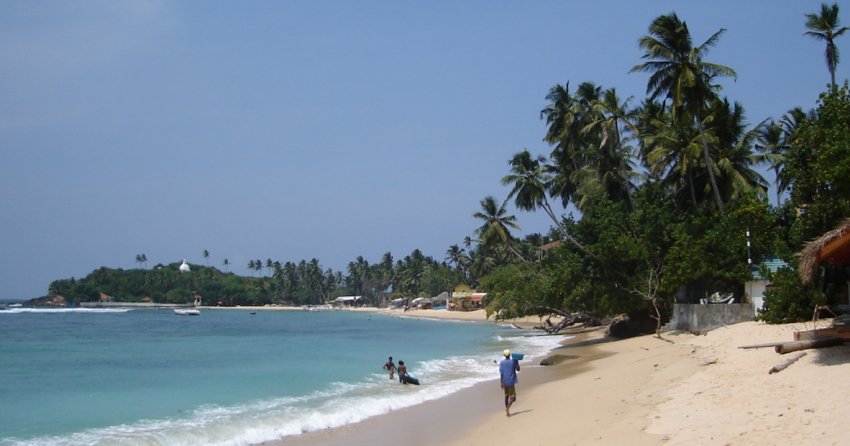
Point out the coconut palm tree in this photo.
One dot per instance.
(457, 256)
(681, 75)
(207, 256)
(737, 151)
(825, 27)
(611, 119)
(358, 272)
(226, 264)
(496, 227)
(673, 157)
(529, 181)
(567, 115)
(771, 141)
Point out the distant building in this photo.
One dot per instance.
(756, 287)
(349, 301)
(465, 298)
(184, 267)
(106, 298)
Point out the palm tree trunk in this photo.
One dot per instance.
(708, 165)
(830, 51)
(567, 235)
(516, 253)
(690, 176)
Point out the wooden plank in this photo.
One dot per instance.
(769, 344)
(841, 333)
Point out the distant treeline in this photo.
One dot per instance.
(302, 283)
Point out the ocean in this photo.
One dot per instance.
(227, 377)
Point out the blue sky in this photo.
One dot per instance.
(330, 129)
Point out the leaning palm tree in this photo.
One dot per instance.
(824, 27)
(529, 181)
(679, 73)
(496, 226)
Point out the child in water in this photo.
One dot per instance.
(390, 365)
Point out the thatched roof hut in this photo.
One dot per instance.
(832, 247)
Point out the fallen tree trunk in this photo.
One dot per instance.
(784, 364)
(794, 346)
(569, 320)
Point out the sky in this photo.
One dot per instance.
(291, 130)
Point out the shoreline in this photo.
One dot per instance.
(436, 422)
(680, 389)
(477, 316)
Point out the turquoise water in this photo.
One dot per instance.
(227, 377)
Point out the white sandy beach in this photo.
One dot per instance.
(683, 389)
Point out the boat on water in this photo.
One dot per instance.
(187, 311)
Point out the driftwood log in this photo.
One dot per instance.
(794, 346)
(784, 364)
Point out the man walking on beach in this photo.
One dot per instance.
(508, 379)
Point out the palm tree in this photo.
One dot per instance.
(357, 275)
(771, 141)
(457, 256)
(612, 168)
(529, 181)
(207, 256)
(679, 73)
(673, 153)
(737, 155)
(226, 264)
(824, 27)
(567, 115)
(496, 227)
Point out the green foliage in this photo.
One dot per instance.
(818, 166)
(788, 300)
(304, 283)
(710, 251)
(701, 209)
(515, 290)
(164, 283)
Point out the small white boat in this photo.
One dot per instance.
(187, 312)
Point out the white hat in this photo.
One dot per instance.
(506, 353)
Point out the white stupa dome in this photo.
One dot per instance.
(184, 267)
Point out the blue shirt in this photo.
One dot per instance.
(508, 368)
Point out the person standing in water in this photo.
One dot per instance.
(390, 366)
(403, 377)
(508, 379)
